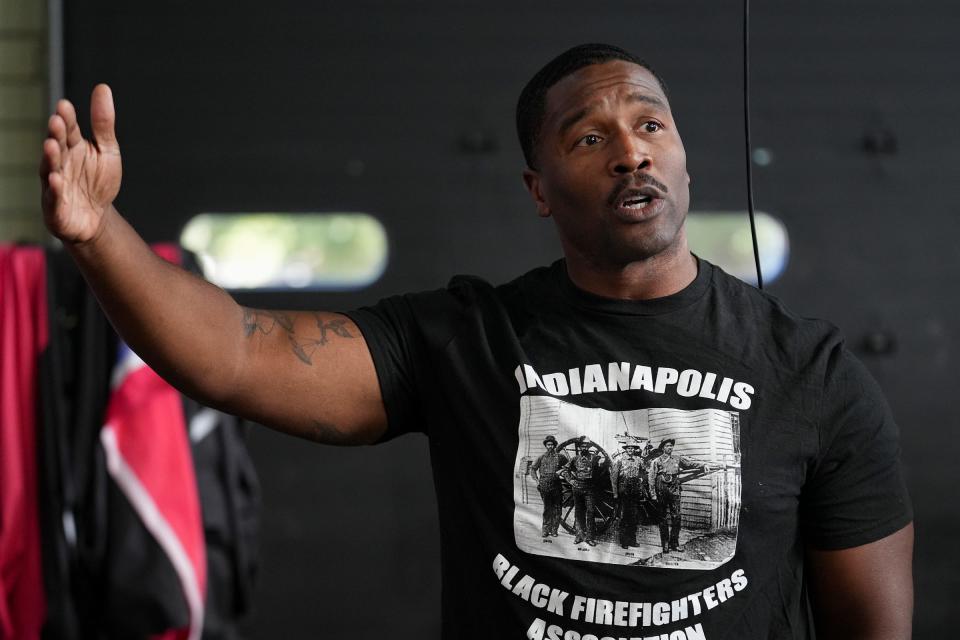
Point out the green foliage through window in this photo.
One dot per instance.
(288, 250)
(723, 238)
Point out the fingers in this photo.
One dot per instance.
(50, 161)
(57, 131)
(69, 115)
(51, 180)
(103, 119)
(50, 157)
(50, 177)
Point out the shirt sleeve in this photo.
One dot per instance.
(390, 330)
(855, 491)
(404, 334)
(690, 463)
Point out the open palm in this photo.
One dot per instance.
(80, 178)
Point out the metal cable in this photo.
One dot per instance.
(746, 127)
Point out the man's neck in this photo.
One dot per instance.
(656, 277)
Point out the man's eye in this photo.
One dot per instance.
(652, 126)
(588, 140)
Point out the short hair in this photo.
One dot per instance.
(531, 106)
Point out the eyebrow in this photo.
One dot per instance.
(632, 97)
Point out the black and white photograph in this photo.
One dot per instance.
(654, 487)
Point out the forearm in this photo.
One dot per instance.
(178, 323)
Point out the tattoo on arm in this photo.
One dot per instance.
(258, 320)
(329, 434)
(264, 322)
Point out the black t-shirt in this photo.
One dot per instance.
(799, 445)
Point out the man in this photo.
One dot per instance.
(824, 502)
(582, 472)
(666, 491)
(627, 480)
(544, 471)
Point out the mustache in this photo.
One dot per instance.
(635, 181)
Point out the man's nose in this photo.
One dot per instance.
(630, 154)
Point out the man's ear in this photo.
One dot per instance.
(532, 179)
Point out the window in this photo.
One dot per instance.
(723, 238)
(319, 251)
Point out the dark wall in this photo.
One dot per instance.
(272, 106)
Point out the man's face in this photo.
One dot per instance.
(612, 171)
(551, 445)
(668, 448)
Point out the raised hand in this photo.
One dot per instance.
(80, 178)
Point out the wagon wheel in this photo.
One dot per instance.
(605, 507)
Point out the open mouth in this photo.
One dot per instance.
(636, 202)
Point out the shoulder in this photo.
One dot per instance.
(759, 324)
(467, 301)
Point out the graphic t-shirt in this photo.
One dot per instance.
(793, 443)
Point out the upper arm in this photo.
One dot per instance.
(309, 374)
(864, 591)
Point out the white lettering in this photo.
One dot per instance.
(556, 601)
(695, 632)
(620, 616)
(618, 376)
(665, 376)
(538, 595)
(706, 389)
(742, 391)
(661, 613)
(642, 378)
(593, 379)
(678, 609)
(518, 374)
(523, 587)
(579, 603)
(575, 388)
(604, 613)
(533, 380)
(739, 580)
(708, 597)
(724, 393)
(689, 383)
(556, 383)
(535, 632)
(500, 565)
(591, 609)
(724, 590)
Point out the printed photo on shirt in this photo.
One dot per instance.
(656, 487)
